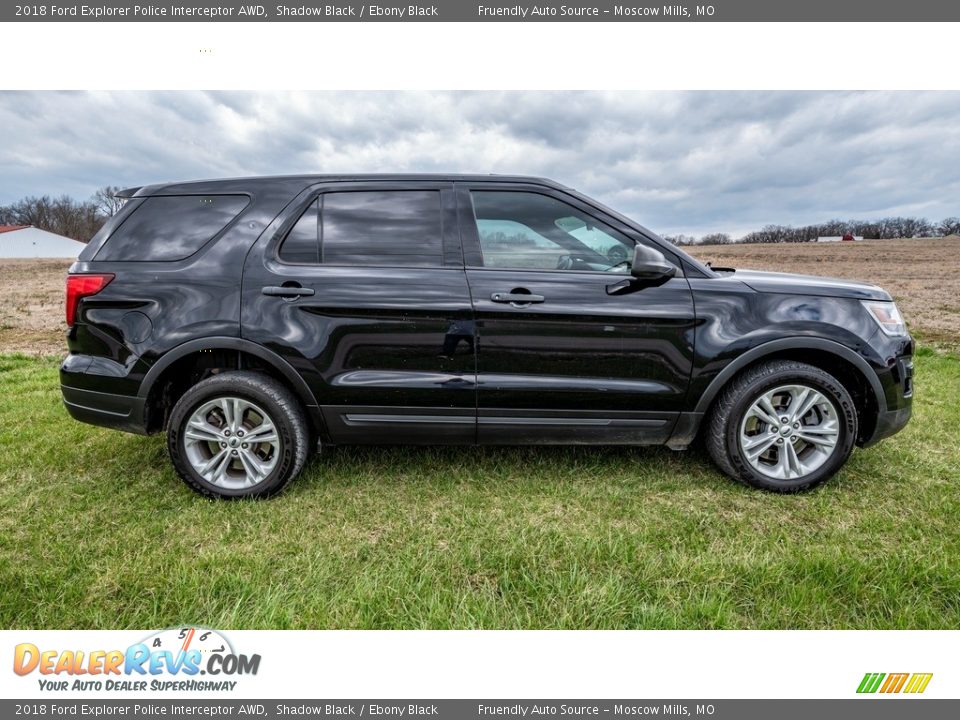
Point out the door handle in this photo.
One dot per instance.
(516, 298)
(286, 291)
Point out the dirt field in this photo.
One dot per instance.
(923, 276)
(31, 306)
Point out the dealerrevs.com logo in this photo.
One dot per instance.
(177, 659)
(885, 683)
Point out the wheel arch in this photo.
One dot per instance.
(851, 369)
(233, 350)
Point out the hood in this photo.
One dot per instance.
(787, 283)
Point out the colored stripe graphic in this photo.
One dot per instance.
(870, 682)
(918, 682)
(894, 683)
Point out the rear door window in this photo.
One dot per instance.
(388, 228)
(378, 228)
(165, 229)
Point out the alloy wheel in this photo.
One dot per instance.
(789, 432)
(231, 443)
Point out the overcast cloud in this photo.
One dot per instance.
(690, 162)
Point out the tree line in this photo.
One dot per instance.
(77, 219)
(883, 229)
(81, 219)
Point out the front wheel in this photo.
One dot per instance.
(784, 426)
(238, 434)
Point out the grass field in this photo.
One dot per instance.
(97, 531)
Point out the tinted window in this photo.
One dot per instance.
(387, 228)
(529, 230)
(171, 228)
(302, 244)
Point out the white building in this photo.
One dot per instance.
(25, 241)
(837, 238)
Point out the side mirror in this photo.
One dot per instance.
(649, 269)
(650, 264)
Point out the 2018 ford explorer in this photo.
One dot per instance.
(255, 320)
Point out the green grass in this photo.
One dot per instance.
(96, 531)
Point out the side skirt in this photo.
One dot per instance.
(388, 425)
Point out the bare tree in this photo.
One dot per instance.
(715, 239)
(916, 227)
(106, 200)
(62, 215)
(949, 226)
(7, 216)
(885, 228)
(680, 240)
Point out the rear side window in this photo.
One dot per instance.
(302, 244)
(171, 228)
(387, 228)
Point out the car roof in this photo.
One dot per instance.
(236, 183)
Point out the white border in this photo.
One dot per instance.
(484, 56)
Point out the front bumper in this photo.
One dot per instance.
(889, 423)
(897, 405)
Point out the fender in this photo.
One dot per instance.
(688, 424)
(234, 343)
(791, 343)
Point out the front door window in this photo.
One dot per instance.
(530, 231)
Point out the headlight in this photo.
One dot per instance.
(888, 317)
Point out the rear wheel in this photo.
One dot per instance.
(238, 434)
(783, 426)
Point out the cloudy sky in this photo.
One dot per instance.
(690, 162)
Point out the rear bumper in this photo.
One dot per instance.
(88, 384)
(119, 412)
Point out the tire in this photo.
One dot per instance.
(210, 422)
(743, 441)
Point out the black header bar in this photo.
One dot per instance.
(495, 11)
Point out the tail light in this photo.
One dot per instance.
(81, 286)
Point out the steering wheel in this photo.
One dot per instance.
(565, 262)
(617, 254)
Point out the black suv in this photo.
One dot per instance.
(256, 319)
